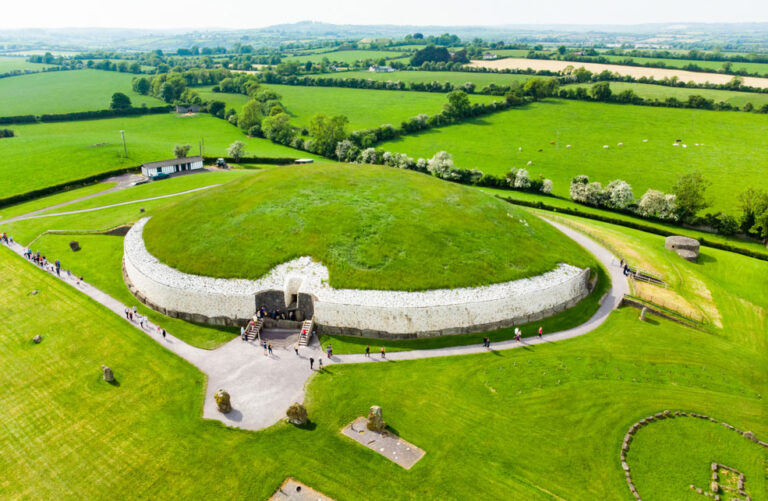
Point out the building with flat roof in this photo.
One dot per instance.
(152, 169)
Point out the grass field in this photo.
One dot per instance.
(42, 203)
(731, 156)
(373, 227)
(760, 69)
(662, 92)
(46, 154)
(365, 108)
(548, 408)
(9, 63)
(345, 56)
(455, 77)
(66, 91)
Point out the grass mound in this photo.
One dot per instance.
(373, 227)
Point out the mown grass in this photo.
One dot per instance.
(662, 92)
(10, 63)
(45, 154)
(520, 420)
(59, 198)
(66, 92)
(732, 155)
(373, 227)
(455, 77)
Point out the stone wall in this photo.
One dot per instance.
(391, 314)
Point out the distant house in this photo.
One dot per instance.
(381, 69)
(489, 56)
(303, 161)
(187, 108)
(172, 166)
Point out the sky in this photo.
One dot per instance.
(155, 14)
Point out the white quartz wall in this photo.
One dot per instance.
(395, 312)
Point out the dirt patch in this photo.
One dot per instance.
(385, 443)
(634, 71)
(293, 490)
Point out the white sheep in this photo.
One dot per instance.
(685, 146)
(605, 146)
(530, 162)
(620, 144)
(567, 145)
(645, 140)
(675, 144)
(520, 148)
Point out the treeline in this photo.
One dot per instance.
(174, 87)
(693, 54)
(84, 115)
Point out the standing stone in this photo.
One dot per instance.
(297, 414)
(37, 339)
(108, 376)
(74, 245)
(222, 401)
(375, 421)
(643, 312)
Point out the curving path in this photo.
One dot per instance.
(262, 387)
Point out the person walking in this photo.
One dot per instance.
(329, 351)
(269, 349)
(162, 332)
(296, 348)
(127, 313)
(242, 333)
(368, 351)
(383, 352)
(311, 363)
(264, 344)
(320, 364)
(541, 331)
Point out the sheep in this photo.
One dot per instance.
(567, 145)
(675, 144)
(620, 144)
(520, 149)
(530, 162)
(645, 140)
(605, 146)
(685, 146)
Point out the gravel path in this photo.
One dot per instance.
(262, 387)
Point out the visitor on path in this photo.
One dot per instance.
(58, 268)
(134, 309)
(383, 352)
(320, 364)
(269, 349)
(127, 313)
(368, 350)
(541, 331)
(311, 363)
(518, 334)
(487, 343)
(242, 333)
(296, 348)
(329, 351)
(264, 344)
(162, 332)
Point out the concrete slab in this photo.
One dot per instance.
(385, 443)
(293, 490)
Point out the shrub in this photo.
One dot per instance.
(346, 151)
(181, 150)
(656, 204)
(578, 189)
(619, 194)
(369, 156)
(6, 133)
(594, 195)
(522, 180)
(440, 164)
(546, 187)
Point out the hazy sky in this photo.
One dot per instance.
(258, 13)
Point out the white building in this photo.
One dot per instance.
(172, 166)
(381, 69)
(489, 56)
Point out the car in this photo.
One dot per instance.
(160, 176)
(143, 180)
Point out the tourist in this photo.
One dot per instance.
(58, 267)
(242, 333)
(264, 344)
(311, 363)
(368, 350)
(541, 331)
(127, 313)
(296, 348)
(269, 349)
(162, 331)
(383, 352)
(329, 351)
(320, 364)
(141, 322)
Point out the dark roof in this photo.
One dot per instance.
(172, 161)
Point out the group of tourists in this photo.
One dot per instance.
(625, 268)
(262, 312)
(4, 238)
(42, 261)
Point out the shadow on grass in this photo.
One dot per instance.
(114, 383)
(308, 426)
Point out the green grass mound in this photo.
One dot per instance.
(373, 227)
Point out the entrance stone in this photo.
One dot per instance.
(375, 420)
(222, 401)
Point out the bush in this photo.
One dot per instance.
(255, 131)
(440, 164)
(578, 189)
(619, 194)
(546, 187)
(656, 204)
(522, 180)
(6, 133)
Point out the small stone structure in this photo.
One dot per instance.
(685, 247)
(223, 402)
(37, 339)
(643, 313)
(107, 374)
(372, 313)
(297, 414)
(715, 466)
(74, 245)
(375, 421)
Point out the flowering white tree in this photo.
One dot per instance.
(440, 164)
(593, 194)
(368, 156)
(522, 180)
(421, 164)
(619, 194)
(657, 204)
(578, 189)
(546, 186)
(343, 149)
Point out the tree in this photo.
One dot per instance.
(654, 203)
(689, 190)
(327, 131)
(181, 150)
(216, 108)
(539, 88)
(522, 180)
(120, 101)
(458, 105)
(619, 194)
(601, 91)
(250, 115)
(440, 164)
(753, 202)
(277, 128)
(236, 150)
(561, 50)
(430, 53)
(141, 85)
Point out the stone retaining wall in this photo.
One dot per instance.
(391, 314)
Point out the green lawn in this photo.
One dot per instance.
(373, 227)
(42, 203)
(345, 56)
(45, 154)
(455, 77)
(532, 424)
(66, 91)
(733, 155)
(662, 92)
(365, 108)
(10, 63)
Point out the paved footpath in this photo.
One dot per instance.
(262, 387)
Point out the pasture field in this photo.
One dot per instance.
(731, 154)
(634, 71)
(345, 56)
(66, 92)
(565, 403)
(455, 77)
(45, 202)
(662, 92)
(11, 63)
(364, 108)
(760, 69)
(47, 154)
(507, 52)
(373, 228)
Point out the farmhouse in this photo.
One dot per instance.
(381, 69)
(171, 166)
(187, 108)
(489, 56)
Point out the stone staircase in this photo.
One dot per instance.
(253, 331)
(306, 332)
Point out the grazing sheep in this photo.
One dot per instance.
(520, 148)
(685, 146)
(675, 144)
(567, 145)
(540, 150)
(605, 146)
(645, 140)
(530, 162)
(551, 142)
(620, 144)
